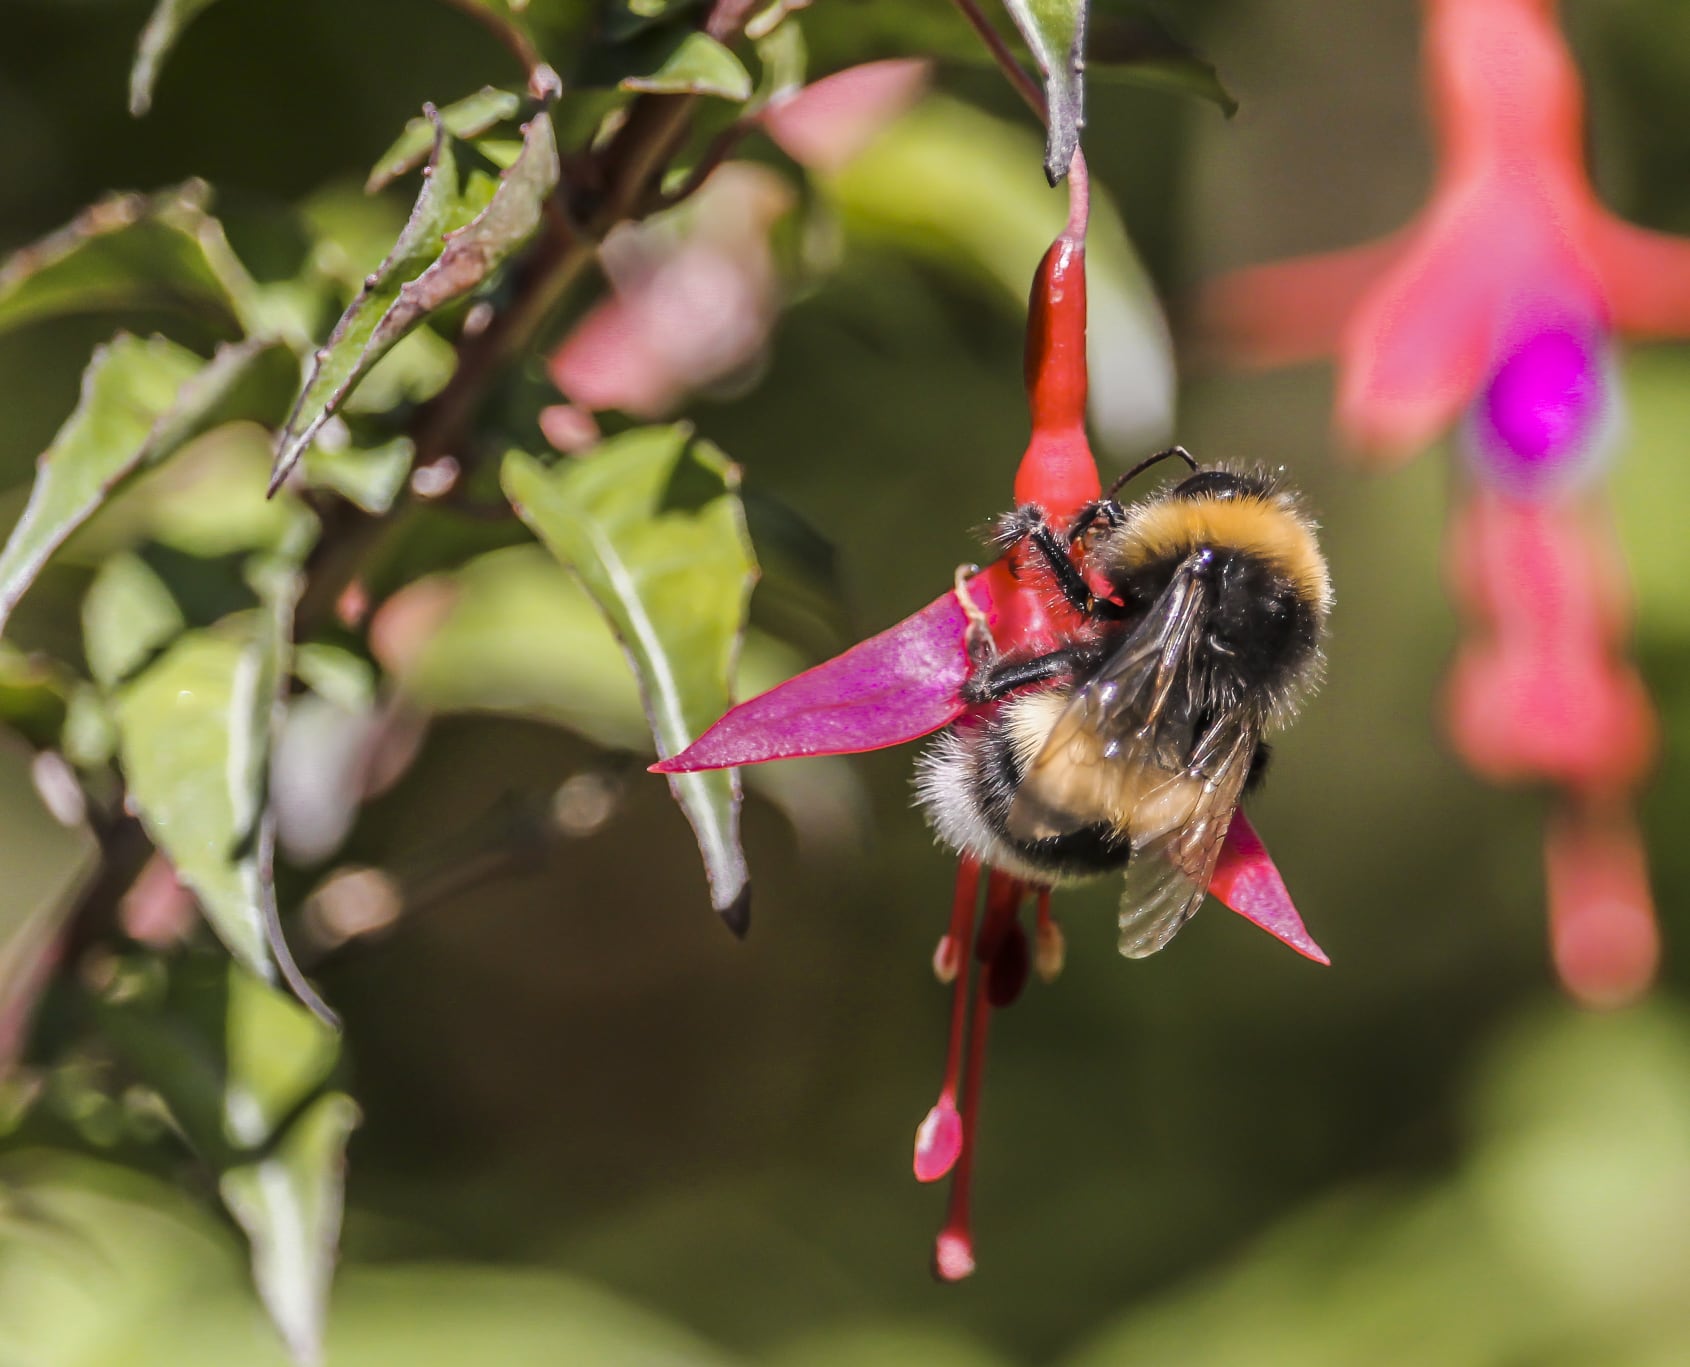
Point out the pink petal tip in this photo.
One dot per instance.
(1246, 881)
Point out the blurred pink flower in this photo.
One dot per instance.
(1513, 238)
(693, 295)
(830, 122)
(1496, 309)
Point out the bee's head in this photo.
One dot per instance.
(1219, 483)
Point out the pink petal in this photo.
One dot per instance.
(1647, 276)
(831, 121)
(895, 687)
(1418, 348)
(1247, 882)
(1291, 311)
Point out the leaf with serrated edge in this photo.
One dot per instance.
(673, 578)
(133, 251)
(142, 401)
(290, 1205)
(697, 65)
(194, 733)
(1055, 31)
(168, 20)
(422, 276)
(466, 118)
(127, 390)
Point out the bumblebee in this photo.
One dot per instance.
(1200, 614)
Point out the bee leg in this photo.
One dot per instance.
(1068, 579)
(1005, 677)
(1105, 510)
(977, 639)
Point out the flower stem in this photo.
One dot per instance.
(1024, 84)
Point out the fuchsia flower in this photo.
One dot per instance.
(907, 682)
(1494, 312)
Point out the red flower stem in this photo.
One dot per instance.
(1079, 198)
(962, 926)
(953, 1250)
(1024, 84)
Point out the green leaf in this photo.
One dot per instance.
(242, 1069)
(133, 251)
(689, 63)
(89, 736)
(129, 387)
(652, 524)
(194, 733)
(290, 1206)
(128, 617)
(1139, 48)
(466, 118)
(370, 477)
(34, 696)
(332, 672)
(42, 865)
(141, 402)
(1055, 31)
(169, 18)
(434, 262)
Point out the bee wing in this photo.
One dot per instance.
(1179, 827)
(1122, 728)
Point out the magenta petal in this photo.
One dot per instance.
(894, 687)
(1246, 881)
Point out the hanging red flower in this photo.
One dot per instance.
(909, 681)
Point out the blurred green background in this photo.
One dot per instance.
(599, 1130)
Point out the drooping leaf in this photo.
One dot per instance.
(134, 251)
(290, 1205)
(168, 20)
(651, 524)
(466, 118)
(141, 402)
(1055, 31)
(439, 257)
(1137, 47)
(194, 733)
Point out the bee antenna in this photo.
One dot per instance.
(1171, 453)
